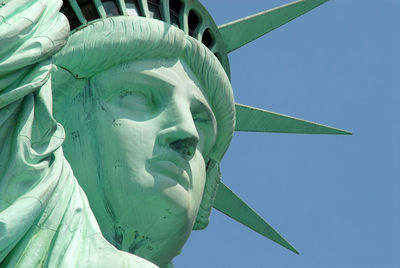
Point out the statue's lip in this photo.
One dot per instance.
(174, 166)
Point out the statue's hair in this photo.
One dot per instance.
(108, 42)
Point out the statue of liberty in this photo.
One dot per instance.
(144, 112)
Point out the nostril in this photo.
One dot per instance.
(185, 147)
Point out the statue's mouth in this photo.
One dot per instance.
(173, 166)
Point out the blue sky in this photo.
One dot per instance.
(335, 198)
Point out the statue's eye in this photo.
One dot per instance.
(139, 97)
(138, 103)
(201, 117)
(205, 128)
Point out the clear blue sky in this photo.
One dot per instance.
(335, 198)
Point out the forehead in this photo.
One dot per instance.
(154, 73)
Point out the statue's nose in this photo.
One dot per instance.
(181, 135)
(185, 147)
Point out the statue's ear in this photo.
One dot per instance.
(210, 190)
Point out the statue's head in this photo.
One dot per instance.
(148, 110)
(156, 115)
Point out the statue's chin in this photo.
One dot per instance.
(153, 233)
(160, 251)
(153, 223)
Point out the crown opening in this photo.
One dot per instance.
(154, 9)
(193, 21)
(111, 8)
(132, 8)
(207, 38)
(67, 10)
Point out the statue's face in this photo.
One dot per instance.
(154, 127)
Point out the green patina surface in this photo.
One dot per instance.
(128, 165)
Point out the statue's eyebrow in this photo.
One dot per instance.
(143, 78)
(159, 76)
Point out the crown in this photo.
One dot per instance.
(192, 18)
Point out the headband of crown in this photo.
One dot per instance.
(191, 17)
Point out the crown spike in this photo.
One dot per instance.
(257, 120)
(231, 205)
(240, 32)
